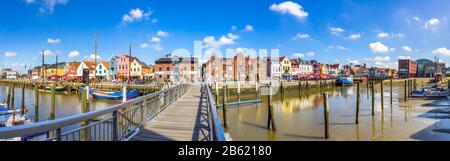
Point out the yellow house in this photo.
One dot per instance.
(285, 66)
(137, 69)
(52, 71)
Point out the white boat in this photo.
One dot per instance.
(430, 92)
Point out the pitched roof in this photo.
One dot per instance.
(90, 65)
(75, 64)
(106, 64)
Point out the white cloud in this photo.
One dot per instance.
(47, 53)
(298, 55)
(246, 51)
(407, 48)
(48, 6)
(336, 30)
(154, 21)
(383, 35)
(382, 59)
(404, 57)
(337, 47)
(74, 54)
(353, 61)
(229, 39)
(432, 23)
(442, 51)
(290, 7)
(135, 15)
(10, 54)
(416, 18)
(301, 36)
(233, 28)
(378, 47)
(354, 36)
(249, 28)
(53, 41)
(155, 39)
(161, 33)
(311, 54)
(92, 57)
(144, 45)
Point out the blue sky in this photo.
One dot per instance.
(343, 31)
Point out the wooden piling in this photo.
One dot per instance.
(270, 118)
(239, 91)
(23, 100)
(224, 107)
(84, 108)
(382, 95)
(406, 88)
(8, 101)
(12, 97)
(326, 115)
(216, 86)
(390, 90)
(36, 104)
(52, 104)
(373, 97)
(357, 103)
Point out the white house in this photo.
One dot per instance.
(103, 70)
(86, 65)
(305, 67)
(11, 75)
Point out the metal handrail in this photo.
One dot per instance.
(218, 133)
(58, 124)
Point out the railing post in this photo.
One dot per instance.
(114, 126)
(357, 103)
(144, 112)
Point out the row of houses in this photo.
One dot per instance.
(408, 68)
(241, 68)
(118, 67)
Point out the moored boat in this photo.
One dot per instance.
(344, 80)
(115, 95)
(57, 88)
(430, 92)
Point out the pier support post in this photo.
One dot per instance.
(373, 97)
(12, 97)
(52, 104)
(224, 107)
(36, 104)
(8, 101)
(23, 100)
(326, 115)
(406, 88)
(382, 95)
(270, 118)
(357, 103)
(390, 90)
(257, 90)
(84, 108)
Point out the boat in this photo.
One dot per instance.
(344, 80)
(433, 91)
(115, 95)
(57, 88)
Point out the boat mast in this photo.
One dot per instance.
(42, 67)
(56, 64)
(129, 65)
(95, 59)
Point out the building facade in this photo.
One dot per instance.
(407, 68)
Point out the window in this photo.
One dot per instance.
(160, 69)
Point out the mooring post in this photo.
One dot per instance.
(224, 106)
(406, 88)
(415, 84)
(390, 90)
(8, 101)
(23, 100)
(124, 94)
(326, 115)
(84, 108)
(257, 89)
(52, 104)
(270, 118)
(373, 97)
(13, 93)
(357, 103)
(382, 95)
(36, 104)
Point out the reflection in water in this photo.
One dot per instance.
(299, 116)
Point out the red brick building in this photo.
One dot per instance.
(407, 68)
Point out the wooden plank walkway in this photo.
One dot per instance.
(185, 120)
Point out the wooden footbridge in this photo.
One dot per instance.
(181, 113)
